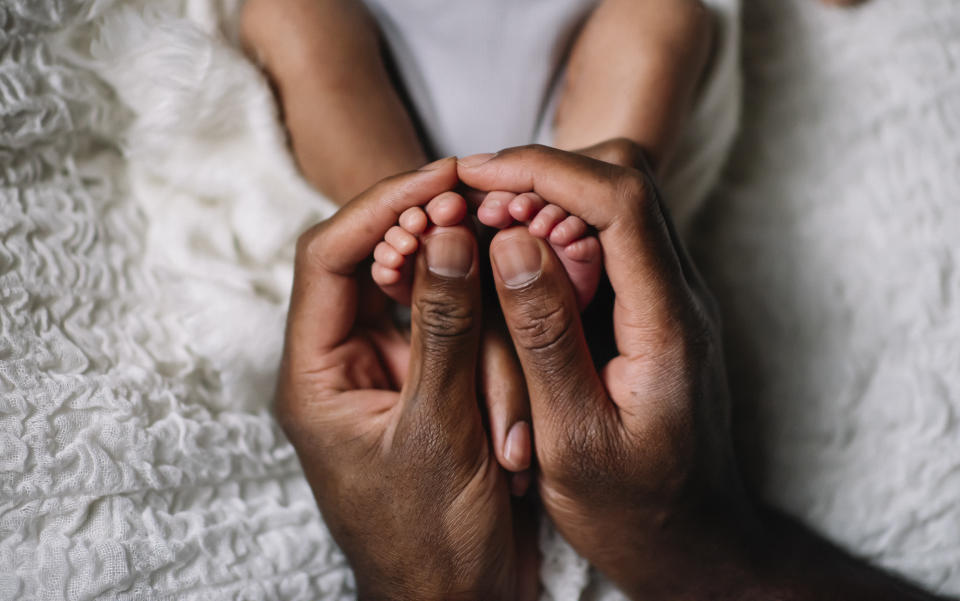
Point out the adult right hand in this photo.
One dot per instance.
(636, 462)
(636, 466)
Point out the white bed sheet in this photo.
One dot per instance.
(138, 458)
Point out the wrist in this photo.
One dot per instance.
(442, 581)
(704, 554)
(769, 556)
(398, 592)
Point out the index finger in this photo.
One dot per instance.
(622, 204)
(323, 303)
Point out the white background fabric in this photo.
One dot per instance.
(834, 247)
(138, 458)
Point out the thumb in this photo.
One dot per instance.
(445, 330)
(540, 309)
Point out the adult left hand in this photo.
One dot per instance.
(389, 431)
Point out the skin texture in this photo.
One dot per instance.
(325, 59)
(636, 468)
(635, 462)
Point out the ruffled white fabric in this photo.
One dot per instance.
(147, 211)
(138, 456)
(834, 247)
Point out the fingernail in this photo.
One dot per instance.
(434, 165)
(476, 159)
(449, 255)
(516, 449)
(517, 259)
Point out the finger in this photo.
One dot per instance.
(622, 204)
(445, 327)
(505, 396)
(324, 297)
(541, 313)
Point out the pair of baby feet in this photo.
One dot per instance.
(579, 252)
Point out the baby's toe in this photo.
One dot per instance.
(525, 206)
(414, 220)
(568, 231)
(401, 240)
(494, 211)
(447, 209)
(395, 283)
(584, 250)
(384, 276)
(386, 255)
(546, 220)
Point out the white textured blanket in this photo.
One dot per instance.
(138, 458)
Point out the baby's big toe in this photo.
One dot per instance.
(494, 210)
(447, 209)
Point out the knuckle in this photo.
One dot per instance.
(442, 316)
(544, 325)
(632, 190)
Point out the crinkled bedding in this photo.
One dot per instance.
(138, 458)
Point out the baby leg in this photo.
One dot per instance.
(348, 126)
(633, 73)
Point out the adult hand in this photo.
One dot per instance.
(388, 431)
(636, 463)
(634, 460)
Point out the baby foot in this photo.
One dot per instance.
(391, 269)
(580, 254)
